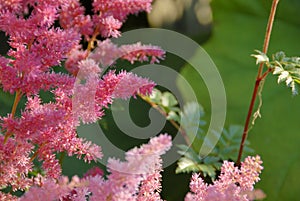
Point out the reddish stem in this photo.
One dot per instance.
(16, 102)
(13, 112)
(260, 76)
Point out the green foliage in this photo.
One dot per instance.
(229, 143)
(226, 149)
(192, 162)
(286, 68)
(190, 121)
(166, 102)
(191, 124)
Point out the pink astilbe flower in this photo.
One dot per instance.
(10, 5)
(29, 69)
(23, 26)
(140, 168)
(250, 170)
(74, 57)
(8, 197)
(127, 180)
(107, 53)
(150, 188)
(139, 52)
(48, 191)
(83, 105)
(108, 25)
(232, 185)
(130, 84)
(120, 9)
(15, 163)
(57, 134)
(72, 16)
(44, 35)
(91, 93)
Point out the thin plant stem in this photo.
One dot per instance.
(177, 126)
(36, 153)
(92, 40)
(16, 102)
(259, 78)
(13, 112)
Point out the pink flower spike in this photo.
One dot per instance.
(140, 172)
(139, 52)
(83, 102)
(233, 184)
(150, 188)
(15, 163)
(108, 25)
(74, 57)
(72, 16)
(119, 9)
(7, 196)
(49, 191)
(106, 53)
(130, 85)
(12, 5)
(250, 170)
(140, 158)
(88, 68)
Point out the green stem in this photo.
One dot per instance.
(259, 78)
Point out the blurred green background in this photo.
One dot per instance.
(238, 29)
(229, 31)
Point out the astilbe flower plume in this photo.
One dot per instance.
(136, 179)
(45, 36)
(232, 185)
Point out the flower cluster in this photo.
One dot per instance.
(137, 178)
(45, 37)
(233, 184)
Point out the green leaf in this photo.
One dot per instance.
(173, 116)
(168, 99)
(190, 121)
(155, 96)
(287, 69)
(189, 153)
(260, 57)
(208, 170)
(186, 165)
(277, 70)
(279, 56)
(229, 143)
(211, 160)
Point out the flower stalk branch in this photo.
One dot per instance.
(13, 112)
(16, 102)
